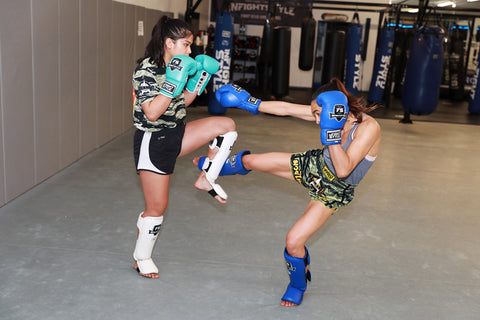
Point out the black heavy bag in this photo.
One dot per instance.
(307, 43)
(474, 101)
(266, 56)
(281, 61)
(456, 63)
(381, 65)
(334, 57)
(424, 71)
(354, 54)
(222, 50)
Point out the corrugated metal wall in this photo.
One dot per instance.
(65, 83)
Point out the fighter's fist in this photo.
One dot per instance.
(178, 70)
(231, 95)
(206, 66)
(333, 116)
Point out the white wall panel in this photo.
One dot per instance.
(129, 64)
(116, 70)
(45, 86)
(88, 76)
(2, 164)
(104, 107)
(69, 82)
(17, 91)
(141, 41)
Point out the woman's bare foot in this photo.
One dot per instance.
(203, 184)
(288, 304)
(148, 275)
(196, 160)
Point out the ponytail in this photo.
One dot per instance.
(164, 28)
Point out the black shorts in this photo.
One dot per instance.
(158, 151)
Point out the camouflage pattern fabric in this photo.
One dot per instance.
(309, 169)
(147, 79)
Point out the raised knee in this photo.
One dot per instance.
(227, 125)
(294, 247)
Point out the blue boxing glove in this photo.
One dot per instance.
(231, 95)
(178, 70)
(206, 66)
(333, 116)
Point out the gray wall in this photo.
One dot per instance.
(65, 83)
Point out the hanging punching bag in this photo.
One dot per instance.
(307, 43)
(222, 52)
(266, 56)
(456, 65)
(474, 100)
(281, 61)
(354, 54)
(381, 65)
(334, 58)
(421, 88)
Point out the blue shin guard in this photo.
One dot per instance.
(232, 166)
(298, 277)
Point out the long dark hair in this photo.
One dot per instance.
(164, 28)
(357, 106)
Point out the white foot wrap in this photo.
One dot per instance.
(148, 229)
(146, 266)
(213, 167)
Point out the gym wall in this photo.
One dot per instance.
(303, 79)
(65, 83)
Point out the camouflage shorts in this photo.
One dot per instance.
(309, 169)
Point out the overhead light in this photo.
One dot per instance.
(471, 0)
(445, 4)
(413, 10)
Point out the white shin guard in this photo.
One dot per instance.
(148, 229)
(212, 167)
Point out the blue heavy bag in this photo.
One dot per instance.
(352, 69)
(381, 65)
(474, 101)
(423, 76)
(222, 51)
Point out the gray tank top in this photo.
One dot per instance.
(362, 167)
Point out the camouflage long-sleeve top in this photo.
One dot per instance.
(147, 80)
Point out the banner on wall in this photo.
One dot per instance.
(255, 11)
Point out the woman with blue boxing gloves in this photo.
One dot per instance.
(351, 140)
(165, 82)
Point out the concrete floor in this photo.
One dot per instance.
(406, 248)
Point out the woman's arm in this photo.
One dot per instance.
(189, 97)
(156, 107)
(282, 108)
(366, 141)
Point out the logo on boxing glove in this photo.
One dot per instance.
(175, 64)
(252, 100)
(168, 87)
(334, 135)
(239, 89)
(339, 113)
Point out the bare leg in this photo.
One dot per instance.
(200, 132)
(310, 222)
(155, 191)
(276, 163)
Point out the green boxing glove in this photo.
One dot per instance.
(206, 66)
(177, 73)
